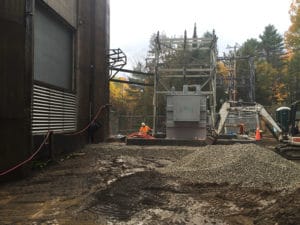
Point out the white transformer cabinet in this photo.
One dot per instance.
(187, 114)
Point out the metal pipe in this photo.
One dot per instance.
(130, 82)
(131, 71)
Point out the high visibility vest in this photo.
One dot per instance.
(145, 129)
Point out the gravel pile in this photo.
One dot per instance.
(246, 164)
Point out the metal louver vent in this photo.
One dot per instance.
(53, 110)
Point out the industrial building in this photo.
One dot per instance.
(53, 76)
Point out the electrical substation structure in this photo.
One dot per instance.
(185, 75)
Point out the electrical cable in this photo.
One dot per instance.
(29, 159)
(92, 121)
(47, 137)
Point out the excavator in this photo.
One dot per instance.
(254, 111)
(286, 130)
(290, 146)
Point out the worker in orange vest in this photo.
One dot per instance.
(144, 129)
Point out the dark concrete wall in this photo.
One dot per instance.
(101, 90)
(16, 78)
(91, 75)
(15, 82)
(93, 46)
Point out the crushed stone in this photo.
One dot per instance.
(248, 165)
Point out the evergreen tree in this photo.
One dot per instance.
(249, 49)
(272, 45)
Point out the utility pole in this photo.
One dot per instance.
(234, 73)
(234, 88)
(252, 79)
(157, 50)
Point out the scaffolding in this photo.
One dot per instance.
(185, 61)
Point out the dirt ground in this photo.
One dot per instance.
(117, 184)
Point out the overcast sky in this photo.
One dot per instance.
(134, 21)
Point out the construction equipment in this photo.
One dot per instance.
(234, 113)
(290, 147)
(285, 129)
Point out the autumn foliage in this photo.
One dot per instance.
(276, 60)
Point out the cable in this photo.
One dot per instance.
(29, 159)
(47, 137)
(92, 121)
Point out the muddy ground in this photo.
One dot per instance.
(117, 184)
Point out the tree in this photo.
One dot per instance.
(269, 89)
(118, 96)
(131, 103)
(271, 70)
(272, 45)
(264, 81)
(293, 81)
(140, 97)
(248, 50)
(292, 40)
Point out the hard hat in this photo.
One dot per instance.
(143, 124)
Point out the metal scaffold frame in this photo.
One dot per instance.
(191, 69)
